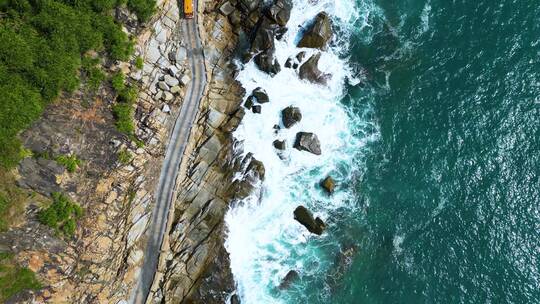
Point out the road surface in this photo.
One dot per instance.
(173, 157)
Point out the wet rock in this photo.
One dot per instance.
(289, 279)
(300, 56)
(290, 116)
(235, 299)
(328, 184)
(318, 34)
(266, 62)
(249, 103)
(280, 32)
(263, 38)
(279, 144)
(261, 95)
(280, 11)
(257, 109)
(295, 65)
(305, 217)
(309, 142)
(310, 71)
(289, 63)
(257, 167)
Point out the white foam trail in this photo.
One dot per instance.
(263, 238)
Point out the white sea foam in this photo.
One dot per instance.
(264, 241)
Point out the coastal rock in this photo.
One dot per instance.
(163, 85)
(257, 109)
(309, 142)
(328, 184)
(310, 70)
(266, 62)
(263, 38)
(300, 56)
(304, 217)
(260, 94)
(235, 299)
(289, 278)
(318, 34)
(249, 103)
(279, 144)
(280, 11)
(248, 5)
(289, 63)
(290, 116)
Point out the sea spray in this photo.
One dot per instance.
(264, 241)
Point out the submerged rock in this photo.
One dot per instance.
(249, 103)
(300, 56)
(289, 278)
(318, 34)
(310, 70)
(304, 217)
(289, 63)
(235, 299)
(328, 184)
(309, 142)
(290, 116)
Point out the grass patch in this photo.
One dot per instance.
(61, 215)
(118, 82)
(71, 162)
(12, 199)
(14, 279)
(124, 156)
(139, 63)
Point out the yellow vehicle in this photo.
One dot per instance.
(188, 9)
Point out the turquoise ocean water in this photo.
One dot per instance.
(432, 129)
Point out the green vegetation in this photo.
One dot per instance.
(12, 200)
(139, 63)
(118, 81)
(124, 156)
(14, 279)
(142, 8)
(71, 162)
(93, 73)
(61, 215)
(41, 51)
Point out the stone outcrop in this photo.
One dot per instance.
(304, 217)
(290, 116)
(289, 279)
(309, 142)
(318, 33)
(309, 70)
(328, 184)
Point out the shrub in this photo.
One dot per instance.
(128, 95)
(123, 113)
(117, 81)
(142, 8)
(14, 279)
(71, 162)
(61, 215)
(139, 63)
(92, 71)
(124, 156)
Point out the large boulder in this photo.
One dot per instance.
(280, 11)
(309, 142)
(260, 95)
(290, 116)
(318, 33)
(328, 184)
(289, 278)
(309, 70)
(304, 217)
(266, 62)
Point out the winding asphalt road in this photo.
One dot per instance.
(173, 157)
